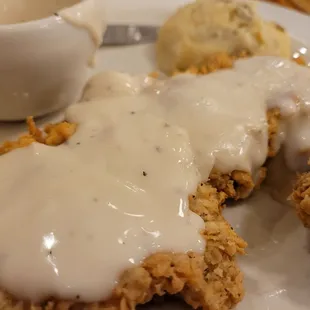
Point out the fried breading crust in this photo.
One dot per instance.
(53, 135)
(301, 198)
(273, 118)
(221, 61)
(238, 184)
(211, 281)
(214, 63)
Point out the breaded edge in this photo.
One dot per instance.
(53, 135)
(222, 60)
(301, 198)
(239, 184)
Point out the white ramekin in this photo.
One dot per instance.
(44, 64)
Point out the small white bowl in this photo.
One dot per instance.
(44, 63)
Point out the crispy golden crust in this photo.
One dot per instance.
(212, 281)
(300, 60)
(221, 61)
(301, 198)
(214, 63)
(273, 118)
(238, 184)
(53, 134)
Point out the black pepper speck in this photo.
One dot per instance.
(78, 143)
(166, 125)
(132, 112)
(144, 173)
(158, 149)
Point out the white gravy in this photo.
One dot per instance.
(88, 15)
(73, 217)
(287, 86)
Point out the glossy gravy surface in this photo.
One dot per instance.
(73, 217)
(87, 14)
(287, 87)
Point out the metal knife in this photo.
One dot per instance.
(117, 35)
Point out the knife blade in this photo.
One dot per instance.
(117, 35)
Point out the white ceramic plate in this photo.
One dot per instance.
(277, 266)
